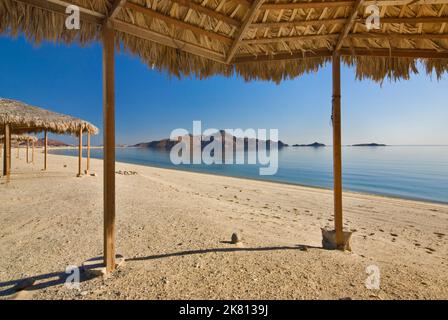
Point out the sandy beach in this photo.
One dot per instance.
(174, 227)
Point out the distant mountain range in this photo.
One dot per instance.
(369, 145)
(167, 144)
(52, 143)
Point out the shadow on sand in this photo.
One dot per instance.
(235, 249)
(42, 281)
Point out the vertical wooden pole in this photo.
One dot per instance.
(18, 153)
(45, 149)
(80, 153)
(32, 152)
(337, 158)
(27, 151)
(7, 150)
(88, 153)
(109, 145)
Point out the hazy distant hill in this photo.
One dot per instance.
(167, 144)
(52, 143)
(315, 145)
(369, 145)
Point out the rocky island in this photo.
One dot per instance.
(369, 145)
(314, 144)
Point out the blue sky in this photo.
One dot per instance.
(150, 104)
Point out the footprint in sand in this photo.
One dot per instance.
(439, 235)
(430, 250)
(394, 235)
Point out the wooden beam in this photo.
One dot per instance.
(396, 53)
(293, 24)
(294, 38)
(45, 149)
(79, 153)
(246, 3)
(304, 23)
(250, 15)
(168, 41)
(401, 36)
(306, 5)
(7, 150)
(349, 24)
(178, 23)
(116, 7)
(27, 150)
(337, 4)
(248, 58)
(18, 150)
(361, 35)
(337, 152)
(413, 20)
(109, 145)
(207, 11)
(88, 153)
(32, 152)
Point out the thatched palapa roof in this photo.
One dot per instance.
(255, 39)
(24, 118)
(21, 138)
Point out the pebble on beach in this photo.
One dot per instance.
(235, 238)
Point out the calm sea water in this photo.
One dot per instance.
(416, 172)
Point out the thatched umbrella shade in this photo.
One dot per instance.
(19, 139)
(18, 117)
(256, 39)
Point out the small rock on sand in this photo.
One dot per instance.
(235, 238)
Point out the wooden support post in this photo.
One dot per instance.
(7, 150)
(337, 159)
(45, 149)
(32, 152)
(27, 151)
(109, 145)
(80, 153)
(223, 150)
(88, 153)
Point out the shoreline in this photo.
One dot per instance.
(383, 195)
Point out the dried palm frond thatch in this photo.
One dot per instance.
(255, 39)
(21, 138)
(24, 118)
